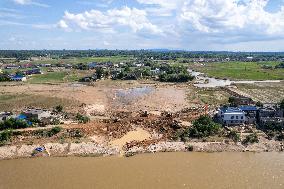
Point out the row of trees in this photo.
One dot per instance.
(157, 54)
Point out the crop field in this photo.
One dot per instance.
(241, 70)
(264, 92)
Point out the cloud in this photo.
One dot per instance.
(221, 16)
(217, 20)
(113, 19)
(30, 2)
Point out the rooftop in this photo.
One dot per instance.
(231, 110)
(248, 108)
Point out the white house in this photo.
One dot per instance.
(231, 116)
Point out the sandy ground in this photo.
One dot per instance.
(137, 135)
(102, 97)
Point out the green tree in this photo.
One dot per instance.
(204, 126)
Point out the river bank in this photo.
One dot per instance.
(95, 149)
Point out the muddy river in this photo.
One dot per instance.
(164, 170)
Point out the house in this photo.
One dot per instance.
(270, 110)
(231, 116)
(5, 115)
(251, 113)
(155, 71)
(33, 71)
(36, 114)
(271, 120)
(18, 78)
(92, 65)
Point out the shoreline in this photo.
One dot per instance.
(91, 149)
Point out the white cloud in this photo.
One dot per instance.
(62, 24)
(30, 2)
(220, 16)
(132, 18)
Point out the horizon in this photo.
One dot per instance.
(188, 25)
(154, 50)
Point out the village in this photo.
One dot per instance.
(241, 125)
(129, 107)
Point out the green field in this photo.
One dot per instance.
(241, 70)
(114, 59)
(56, 77)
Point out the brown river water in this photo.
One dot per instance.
(163, 170)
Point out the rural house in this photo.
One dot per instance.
(231, 116)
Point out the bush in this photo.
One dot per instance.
(13, 124)
(54, 131)
(204, 126)
(234, 136)
(252, 138)
(5, 136)
(82, 119)
(189, 148)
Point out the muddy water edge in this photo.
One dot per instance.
(161, 170)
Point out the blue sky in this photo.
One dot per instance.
(234, 25)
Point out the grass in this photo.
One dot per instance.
(115, 59)
(53, 77)
(264, 92)
(212, 96)
(12, 102)
(241, 70)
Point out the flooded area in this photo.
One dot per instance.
(210, 82)
(164, 170)
(127, 96)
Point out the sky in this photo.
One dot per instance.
(194, 25)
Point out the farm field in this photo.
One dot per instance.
(240, 70)
(263, 92)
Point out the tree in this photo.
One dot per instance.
(204, 126)
(100, 73)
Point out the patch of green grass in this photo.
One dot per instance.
(52, 77)
(242, 70)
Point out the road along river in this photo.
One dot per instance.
(162, 170)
